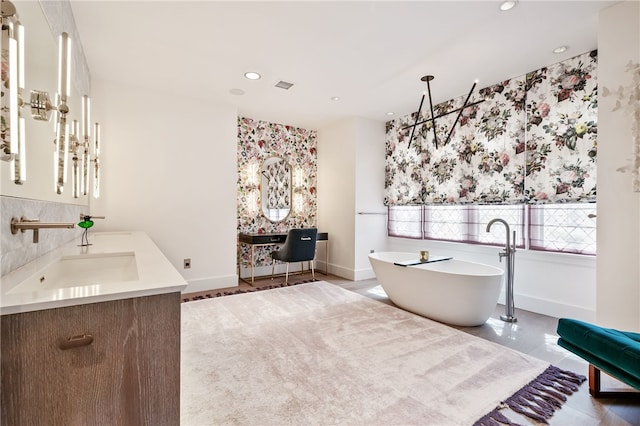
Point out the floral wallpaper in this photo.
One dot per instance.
(527, 139)
(258, 141)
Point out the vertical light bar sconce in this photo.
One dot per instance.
(252, 187)
(86, 134)
(14, 150)
(79, 146)
(59, 157)
(75, 168)
(298, 189)
(252, 200)
(97, 141)
(252, 175)
(297, 178)
(62, 138)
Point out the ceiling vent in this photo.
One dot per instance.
(284, 85)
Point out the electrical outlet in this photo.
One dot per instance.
(187, 263)
(372, 251)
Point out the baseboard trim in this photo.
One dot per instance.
(364, 274)
(211, 283)
(341, 271)
(551, 308)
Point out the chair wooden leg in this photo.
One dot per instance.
(313, 271)
(286, 275)
(595, 384)
(273, 267)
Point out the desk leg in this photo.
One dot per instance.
(326, 257)
(252, 263)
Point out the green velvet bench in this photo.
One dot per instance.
(615, 352)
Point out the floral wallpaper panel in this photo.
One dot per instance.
(561, 134)
(528, 139)
(257, 141)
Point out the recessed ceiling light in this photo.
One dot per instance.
(560, 49)
(508, 5)
(236, 92)
(389, 113)
(335, 98)
(251, 75)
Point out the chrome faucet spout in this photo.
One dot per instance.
(509, 253)
(507, 247)
(23, 224)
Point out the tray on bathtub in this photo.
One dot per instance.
(419, 262)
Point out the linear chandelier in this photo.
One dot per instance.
(432, 119)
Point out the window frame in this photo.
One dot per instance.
(530, 229)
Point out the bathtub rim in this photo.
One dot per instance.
(439, 266)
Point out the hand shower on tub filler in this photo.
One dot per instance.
(510, 253)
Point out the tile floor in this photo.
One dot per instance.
(532, 334)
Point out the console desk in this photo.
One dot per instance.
(254, 240)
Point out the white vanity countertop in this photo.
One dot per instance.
(156, 275)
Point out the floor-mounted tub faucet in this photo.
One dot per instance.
(510, 253)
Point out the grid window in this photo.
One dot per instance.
(512, 214)
(568, 228)
(405, 221)
(563, 227)
(449, 223)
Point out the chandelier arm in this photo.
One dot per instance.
(417, 118)
(435, 134)
(460, 113)
(445, 114)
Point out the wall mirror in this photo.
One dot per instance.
(41, 73)
(275, 187)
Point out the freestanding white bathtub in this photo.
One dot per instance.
(452, 291)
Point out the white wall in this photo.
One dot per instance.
(618, 265)
(370, 229)
(336, 194)
(169, 169)
(351, 156)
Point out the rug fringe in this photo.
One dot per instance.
(240, 291)
(539, 399)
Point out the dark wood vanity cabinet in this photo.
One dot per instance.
(107, 363)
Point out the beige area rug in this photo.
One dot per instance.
(316, 354)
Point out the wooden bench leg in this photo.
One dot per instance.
(595, 384)
(594, 381)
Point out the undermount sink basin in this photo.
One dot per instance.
(82, 270)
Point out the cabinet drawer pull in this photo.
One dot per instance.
(76, 341)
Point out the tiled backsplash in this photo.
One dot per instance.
(19, 249)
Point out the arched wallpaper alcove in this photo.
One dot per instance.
(257, 141)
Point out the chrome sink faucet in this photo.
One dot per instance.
(508, 252)
(23, 224)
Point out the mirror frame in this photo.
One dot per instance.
(264, 188)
